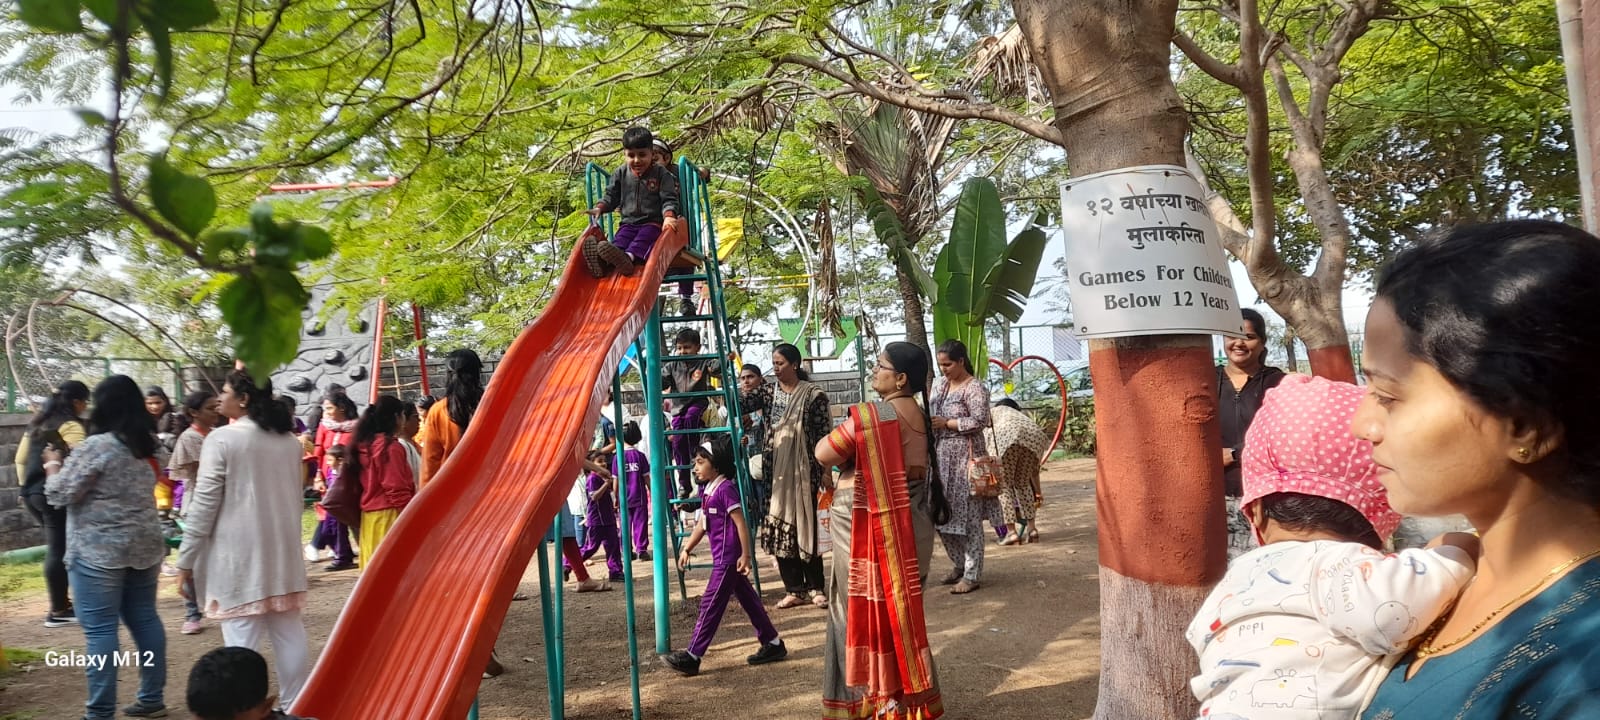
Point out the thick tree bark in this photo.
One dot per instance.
(916, 323)
(1162, 528)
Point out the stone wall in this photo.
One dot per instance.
(18, 529)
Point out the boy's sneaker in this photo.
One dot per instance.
(769, 653)
(591, 255)
(192, 627)
(682, 663)
(686, 306)
(63, 619)
(615, 577)
(139, 709)
(616, 257)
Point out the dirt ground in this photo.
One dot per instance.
(1025, 645)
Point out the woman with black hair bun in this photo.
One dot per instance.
(885, 505)
(241, 542)
(797, 415)
(1479, 355)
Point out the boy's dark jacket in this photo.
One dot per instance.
(642, 199)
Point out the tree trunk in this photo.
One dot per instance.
(1161, 524)
(916, 324)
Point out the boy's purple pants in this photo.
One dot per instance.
(636, 240)
(639, 524)
(683, 445)
(726, 583)
(604, 536)
(332, 534)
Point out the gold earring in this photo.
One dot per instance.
(1524, 454)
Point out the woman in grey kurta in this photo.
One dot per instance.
(960, 414)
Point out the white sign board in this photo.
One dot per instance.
(1143, 256)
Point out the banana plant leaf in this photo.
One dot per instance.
(978, 238)
(1009, 281)
(950, 325)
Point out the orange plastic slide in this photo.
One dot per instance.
(417, 631)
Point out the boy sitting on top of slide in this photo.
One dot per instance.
(646, 195)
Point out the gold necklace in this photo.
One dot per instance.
(1426, 649)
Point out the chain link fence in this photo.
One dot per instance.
(39, 376)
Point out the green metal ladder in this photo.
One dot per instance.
(690, 266)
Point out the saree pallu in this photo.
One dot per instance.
(877, 662)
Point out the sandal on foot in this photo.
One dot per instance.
(789, 601)
(593, 585)
(952, 578)
(519, 597)
(819, 600)
(964, 587)
(1013, 539)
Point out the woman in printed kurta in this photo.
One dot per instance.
(881, 523)
(1021, 445)
(960, 414)
(798, 412)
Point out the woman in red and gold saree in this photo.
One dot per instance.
(877, 663)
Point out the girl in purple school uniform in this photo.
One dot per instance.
(601, 518)
(723, 521)
(636, 472)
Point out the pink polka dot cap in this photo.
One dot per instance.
(1300, 442)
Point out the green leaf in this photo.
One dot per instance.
(51, 15)
(90, 118)
(315, 243)
(162, 43)
(224, 241)
(184, 200)
(1009, 283)
(262, 309)
(184, 14)
(977, 237)
(103, 10)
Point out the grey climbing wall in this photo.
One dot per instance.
(331, 352)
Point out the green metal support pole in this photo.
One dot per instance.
(659, 495)
(625, 526)
(558, 679)
(472, 714)
(548, 620)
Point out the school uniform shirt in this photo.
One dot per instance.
(642, 199)
(1304, 630)
(719, 498)
(678, 376)
(636, 470)
(602, 512)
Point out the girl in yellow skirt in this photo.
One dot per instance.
(377, 460)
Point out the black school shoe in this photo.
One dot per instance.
(141, 710)
(682, 663)
(768, 653)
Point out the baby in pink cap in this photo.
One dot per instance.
(1308, 624)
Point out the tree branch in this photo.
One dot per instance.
(1226, 73)
(970, 110)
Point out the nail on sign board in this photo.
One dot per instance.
(1143, 256)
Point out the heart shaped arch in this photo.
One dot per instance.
(1061, 383)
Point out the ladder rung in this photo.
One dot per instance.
(687, 318)
(701, 356)
(698, 431)
(694, 394)
(691, 277)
